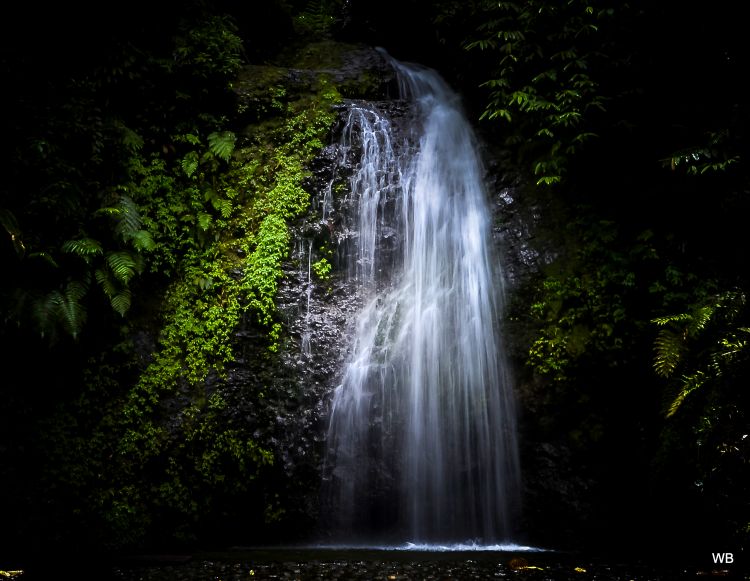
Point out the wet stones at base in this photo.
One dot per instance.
(422, 570)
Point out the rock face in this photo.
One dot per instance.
(318, 310)
(286, 394)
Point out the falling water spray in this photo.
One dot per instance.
(421, 443)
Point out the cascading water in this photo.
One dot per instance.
(421, 440)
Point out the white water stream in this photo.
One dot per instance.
(421, 444)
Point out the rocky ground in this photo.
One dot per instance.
(400, 566)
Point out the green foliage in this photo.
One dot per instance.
(209, 49)
(129, 225)
(669, 349)
(133, 173)
(317, 18)
(264, 265)
(221, 234)
(84, 248)
(276, 174)
(322, 269)
(545, 85)
(221, 144)
(705, 400)
(113, 269)
(583, 308)
(63, 306)
(717, 156)
(726, 347)
(106, 125)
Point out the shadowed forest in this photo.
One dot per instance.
(160, 162)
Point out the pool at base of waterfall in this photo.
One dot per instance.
(407, 563)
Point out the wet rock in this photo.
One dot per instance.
(393, 566)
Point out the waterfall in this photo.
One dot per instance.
(421, 437)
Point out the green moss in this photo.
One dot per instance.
(264, 265)
(249, 211)
(262, 91)
(223, 235)
(152, 450)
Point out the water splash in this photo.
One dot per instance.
(421, 441)
(436, 548)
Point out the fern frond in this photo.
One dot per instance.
(224, 207)
(125, 212)
(46, 257)
(122, 265)
(108, 211)
(85, 248)
(689, 384)
(75, 290)
(221, 144)
(43, 310)
(700, 318)
(661, 321)
(131, 139)
(62, 307)
(189, 163)
(121, 302)
(204, 221)
(142, 241)
(129, 219)
(73, 314)
(140, 262)
(669, 348)
(107, 284)
(130, 214)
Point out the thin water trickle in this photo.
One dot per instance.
(421, 444)
(305, 347)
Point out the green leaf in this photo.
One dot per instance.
(131, 139)
(225, 208)
(189, 163)
(130, 218)
(121, 302)
(122, 265)
(669, 348)
(689, 384)
(661, 321)
(63, 307)
(143, 241)
(85, 248)
(221, 144)
(204, 221)
(106, 282)
(548, 180)
(46, 257)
